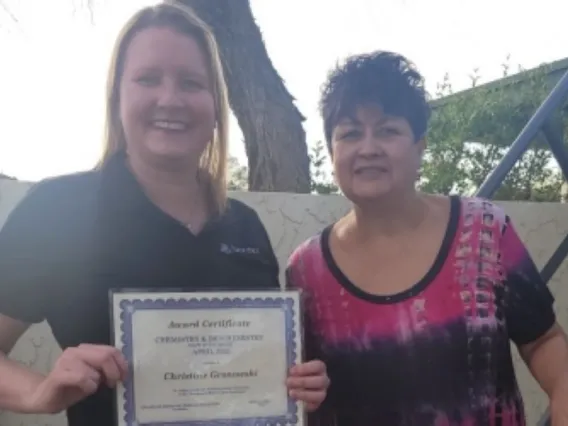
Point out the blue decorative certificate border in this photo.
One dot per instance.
(129, 306)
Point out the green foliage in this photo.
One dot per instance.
(470, 133)
(321, 181)
(238, 175)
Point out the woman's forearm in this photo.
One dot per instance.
(17, 384)
(547, 358)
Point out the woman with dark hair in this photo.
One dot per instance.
(411, 298)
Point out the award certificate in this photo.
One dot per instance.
(210, 358)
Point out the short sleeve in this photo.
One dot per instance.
(310, 348)
(529, 303)
(24, 258)
(295, 281)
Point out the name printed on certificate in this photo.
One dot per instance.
(217, 358)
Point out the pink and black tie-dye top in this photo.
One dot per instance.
(437, 354)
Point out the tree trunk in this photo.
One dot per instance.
(275, 140)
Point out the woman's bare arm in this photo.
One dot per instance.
(16, 381)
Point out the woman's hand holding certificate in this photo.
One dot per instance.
(308, 383)
(78, 373)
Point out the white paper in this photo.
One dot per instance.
(208, 358)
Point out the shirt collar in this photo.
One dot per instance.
(122, 190)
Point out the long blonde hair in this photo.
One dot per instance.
(213, 163)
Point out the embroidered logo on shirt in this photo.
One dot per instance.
(231, 249)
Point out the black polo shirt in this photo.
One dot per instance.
(73, 238)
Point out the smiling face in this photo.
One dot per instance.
(167, 108)
(374, 155)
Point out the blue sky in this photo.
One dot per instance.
(54, 62)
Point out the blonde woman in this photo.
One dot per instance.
(154, 213)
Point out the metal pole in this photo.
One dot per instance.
(555, 260)
(553, 134)
(520, 145)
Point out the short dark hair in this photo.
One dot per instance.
(385, 79)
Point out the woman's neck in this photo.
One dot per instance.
(391, 217)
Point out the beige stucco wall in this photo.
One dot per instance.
(292, 218)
